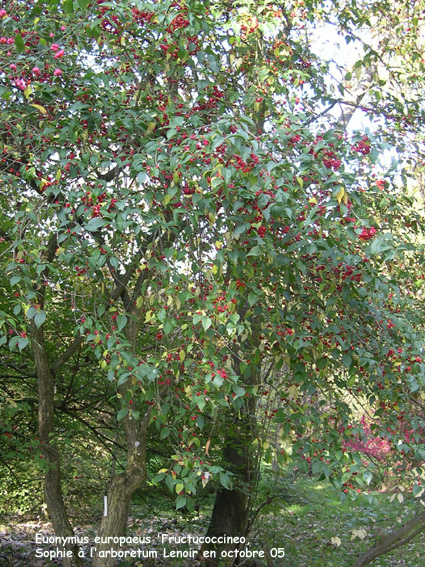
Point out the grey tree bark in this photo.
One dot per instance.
(393, 540)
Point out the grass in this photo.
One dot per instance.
(318, 530)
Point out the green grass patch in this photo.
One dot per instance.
(318, 530)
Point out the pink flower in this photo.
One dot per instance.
(13, 66)
(36, 71)
(57, 72)
(59, 54)
(54, 47)
(3, 13)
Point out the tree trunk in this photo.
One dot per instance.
(122, 486)
(393, 540)
(52, 480)
(115, 522)
(229, 518)
(231, 510)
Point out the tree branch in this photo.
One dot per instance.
(67, 354)
(393, 540)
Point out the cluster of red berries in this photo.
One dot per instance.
(362, 147)
(367, 233)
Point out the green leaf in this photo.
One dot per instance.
(197, 317)
(84, 4)
(256, 251)
(162, 315)
(68, 6)
(421, 453)
(94, 224)
(368, 476)
(22, 342)
(165, 433)
(252, 298)
(121, 321)
(122, 413)
(153, 374)
(240, 229)
(216, 469)
(216, 181)
(206, 323)
(181, 502)
(15, 280)
(39, 319)
(141, 177)
(276, 211)
(13, 342)
(239, 391)
(19, 43)
(218, 381)
(200, 422)
(225, 481)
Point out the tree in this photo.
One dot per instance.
(182, 216)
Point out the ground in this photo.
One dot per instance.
(310, 526)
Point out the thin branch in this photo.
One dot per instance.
(99, 436)
(67, 354)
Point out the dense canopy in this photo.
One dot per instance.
(211, 246)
